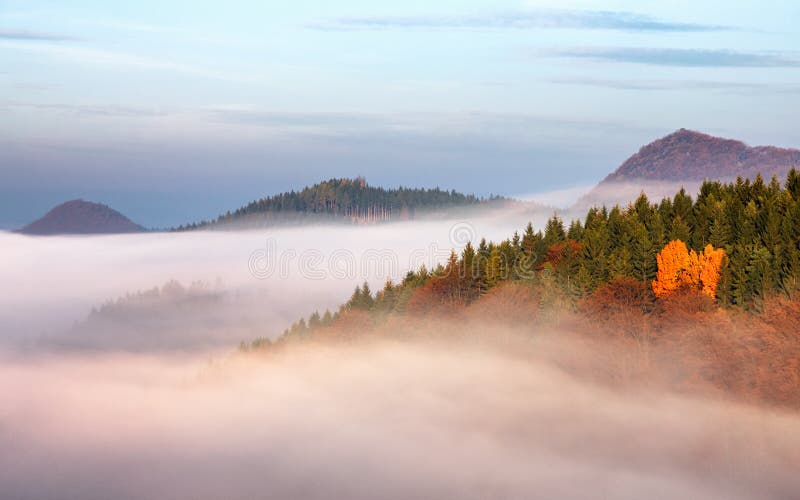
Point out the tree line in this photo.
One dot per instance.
(746, 235)
(348, 199)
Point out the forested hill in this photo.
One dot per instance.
(686, 158)
(695, 293)
(687, 155)
(736, 244)
(349, 200)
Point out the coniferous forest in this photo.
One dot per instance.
(724, 265)
(349, 200)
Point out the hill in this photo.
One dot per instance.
(343, 200)
(687, 155)
(81, 217)
(686, 158)
(691, 293)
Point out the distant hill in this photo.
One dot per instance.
(344, 200)
(81, 217)
(686, 155)
(686, 158)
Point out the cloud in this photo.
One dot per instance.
(701, 58)
(90, 109)
(428, 124)
(6, 34)
(740, 87)
(527, 19)
(248, 116)
(114, 59)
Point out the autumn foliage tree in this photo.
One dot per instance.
(678, 268)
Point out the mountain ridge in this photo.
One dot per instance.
(684, 159)
(688, 155)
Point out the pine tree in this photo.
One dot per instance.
(355, 299)
(314, 320)
(595, 247)
(643, 254)
(528, 241)
(720, 227)
(679, 229)
(789, 273)
(619, 262)
(703, 213)
(760, 278)
(793, 184)
(682, 207)
(510, 256)
(516, 242)
(554, 231)
(575, 231)
(738, 286)
(450, 285)
(494, 269)
(468, 271)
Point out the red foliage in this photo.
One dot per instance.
(423, 300)
(557, 252)
(508, 304)
(436, 297)
(350, 324)
(620, 295)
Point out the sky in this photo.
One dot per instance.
(175, 111)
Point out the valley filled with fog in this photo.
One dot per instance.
(261, 280)
(146, 397)
(398, 420)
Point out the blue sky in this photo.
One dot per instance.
(174, 111)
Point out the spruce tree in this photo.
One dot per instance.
(494, 269)
(554, 231)
(643, 254)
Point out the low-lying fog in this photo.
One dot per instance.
(264, 280)
(385, 420)
(148, 402)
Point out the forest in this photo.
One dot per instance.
(712, 280)
(343, 199)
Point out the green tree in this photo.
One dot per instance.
(554, 231)
(494, 269)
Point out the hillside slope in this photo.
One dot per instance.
(684, 159)
(81, 217)
(343, 200)
(687, 155)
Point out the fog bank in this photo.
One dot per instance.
(380, 420)
(48, 283)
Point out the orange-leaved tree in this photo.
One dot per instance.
(680, 268)
(710, 263)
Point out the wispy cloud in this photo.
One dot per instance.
(479, 126)
(91, 109)
(246, 116)
(681, 57)
(113, 59)
(646, 85)
(6, 34)
(525, 19)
